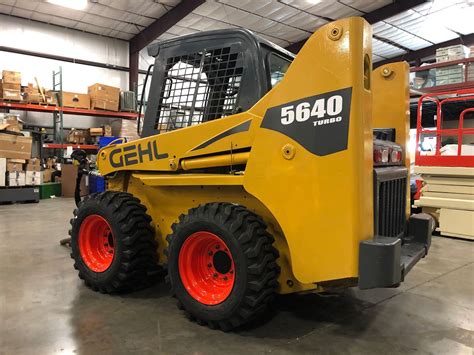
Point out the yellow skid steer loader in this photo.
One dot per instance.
(258, 172)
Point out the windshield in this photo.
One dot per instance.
(278, 67)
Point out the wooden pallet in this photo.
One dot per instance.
(39, 103)
(10, 100)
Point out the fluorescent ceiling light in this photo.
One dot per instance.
(314, 2)
(71, 4)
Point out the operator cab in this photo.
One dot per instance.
(209, 75)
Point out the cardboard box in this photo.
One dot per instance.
(11, 86)
(19, 161)
(448, 58)
(104, 104)
(33, 178)
(51, 98)
(33, 97)
(11, 123)
(11, 77)
(99, 131)
(47, 173)
(29, 167)
(77, 136)
(451, 53)
(104, 91)
(50, 163)
(456, 49)
(13, 95)
(104, 97)
(72, 99)
(15, 147)
(68, 181)
(449, 70)
(107, 130)
(10, 127)
(34, 161)
(16, 179)
(13, 166)
(448, 81)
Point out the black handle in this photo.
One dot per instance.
(141, 100)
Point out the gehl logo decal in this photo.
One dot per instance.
(134, 154)
(319, 123)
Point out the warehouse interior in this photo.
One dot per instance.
(221, 176)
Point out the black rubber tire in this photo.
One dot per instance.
(135, 259)
(254, 257)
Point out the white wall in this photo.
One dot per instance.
(38, 37)
(44, 38)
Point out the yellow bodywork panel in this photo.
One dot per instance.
(310, 180)
(322, 203)
(391, 107)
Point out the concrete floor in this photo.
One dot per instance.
(45, 309)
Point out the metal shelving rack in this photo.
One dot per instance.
(27, 193)
(58, 116)
(66, 110)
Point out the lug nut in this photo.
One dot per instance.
(217, 246)
(209, 253)
(225, 278)
(215, 275)
(209, 265)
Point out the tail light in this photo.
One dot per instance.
(396, 156)
(385, 155)
(381, 155)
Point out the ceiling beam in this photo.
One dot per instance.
(392, 9)
(164, 23)
(378, 15)
(467, 40)
(155, 30)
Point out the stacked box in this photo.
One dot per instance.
(15, 165)
(104, 97)
(15, 147)
(11, 122)
(33, 164)
(31, 94)
(96, 132)
(77, 136)
(76, 100)
(452, 74)
(17, 178)
(470, 72)
(450, 53)
(3, 171)
(11, 85)
(33, 178)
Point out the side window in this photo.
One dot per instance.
(278, 67)
(199, 87)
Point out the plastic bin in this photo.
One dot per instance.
(50, 189)
(96, 184)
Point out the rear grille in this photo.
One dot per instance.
(390, 193)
